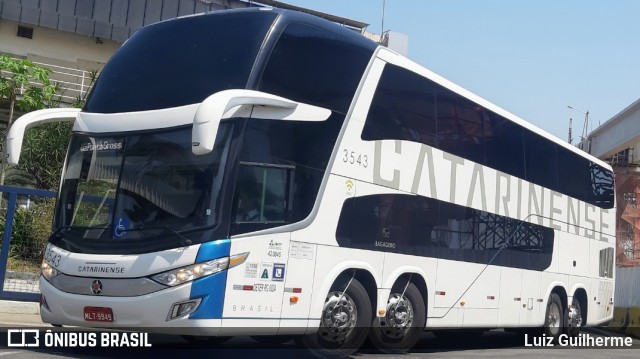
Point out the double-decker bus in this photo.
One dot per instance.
(269, 173)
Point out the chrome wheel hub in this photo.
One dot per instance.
(339, 317)
(399, 312)
(399, 317)
(553, 319)
(575, 318)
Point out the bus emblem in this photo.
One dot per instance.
(96, 287)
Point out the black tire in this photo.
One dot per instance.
(204, 341)
(397, 332)
(348, 316)
(574, 319)
(554, 318)
(271, 339)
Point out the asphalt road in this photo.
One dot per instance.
(494, 344)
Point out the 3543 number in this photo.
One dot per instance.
(52, 257)
(354, 158)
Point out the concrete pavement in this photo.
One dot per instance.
(20, 313)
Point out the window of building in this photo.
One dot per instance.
(26, 32)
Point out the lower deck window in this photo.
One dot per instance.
(431, 228)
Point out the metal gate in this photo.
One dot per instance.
(26, 216)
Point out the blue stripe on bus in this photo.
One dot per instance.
(213, 250)
(210, 288)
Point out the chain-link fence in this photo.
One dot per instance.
(26, 216)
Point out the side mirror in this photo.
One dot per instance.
(31, 119)
(217, 107)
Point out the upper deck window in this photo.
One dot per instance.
(410, 107)
(316, 66)
(181, 62)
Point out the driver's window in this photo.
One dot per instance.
(261, 195)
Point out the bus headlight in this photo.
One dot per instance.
(47, 270)
(189, 273)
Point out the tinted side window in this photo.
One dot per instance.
(571, 174)
(303, 149)
(403, 108)
(315, 66)
(606, 263)
(541, 160)
(427, 227)
(602, 191)
(504, 145)
(460, 126)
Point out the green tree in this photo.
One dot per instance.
(42, 156)
(44, 150)
(24, 86)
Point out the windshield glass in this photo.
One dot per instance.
(140, 187)
(180, 62)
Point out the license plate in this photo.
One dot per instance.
(98, 314)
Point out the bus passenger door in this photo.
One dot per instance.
(254, 290)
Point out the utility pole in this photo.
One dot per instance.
(587, 122)
(570, 134)
(382, 25)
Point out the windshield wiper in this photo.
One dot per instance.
(58, 233)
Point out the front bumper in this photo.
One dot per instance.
(142, 313)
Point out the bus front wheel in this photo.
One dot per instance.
(404, 321)
(345, 319)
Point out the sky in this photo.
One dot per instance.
(533, 58)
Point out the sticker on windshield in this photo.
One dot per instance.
(120, 229)
(104, 145)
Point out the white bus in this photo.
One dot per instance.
(269, 173)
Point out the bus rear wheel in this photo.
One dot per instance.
(554, 318)
(399, 330)
(344, 322)
(574, 319)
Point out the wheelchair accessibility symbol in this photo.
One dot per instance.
(120, 230)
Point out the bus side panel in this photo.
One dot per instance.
(254, 289)
(396, 265)
(551, 281)
(336, 260)
(532, 297)
(476, 285)
(510, 297)
(573, 251)
(600, 309)
(298, 288)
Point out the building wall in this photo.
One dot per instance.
(108, 19)
(626, 316)
(628, 216)
(56, 47)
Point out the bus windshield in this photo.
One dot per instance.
(140, 186)
(181, 62)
